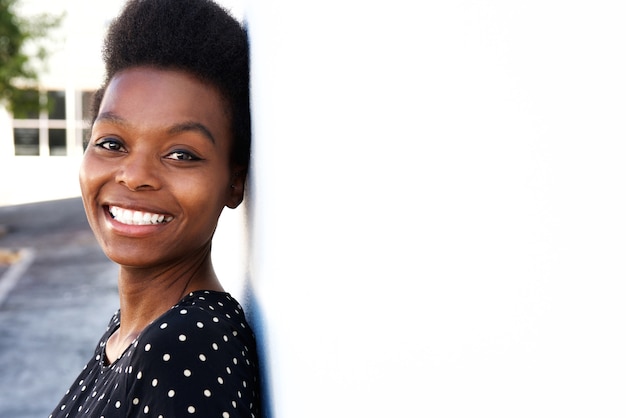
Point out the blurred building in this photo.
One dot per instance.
(40, 152)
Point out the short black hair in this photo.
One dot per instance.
(195, 36)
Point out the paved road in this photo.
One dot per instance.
(60, 303)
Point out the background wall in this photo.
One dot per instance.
(437, 208)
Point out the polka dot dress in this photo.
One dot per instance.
(196, 360)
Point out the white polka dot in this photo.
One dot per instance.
(182, 337)
(226, 415)
(207, 393)
(171, 393)
(199, 324)
(220, 380)
(148, 347)
(166, 357)
(191, 409)
(202, 357)
(136, 401)
(234, 404)
(139, 375)
(146, 409)
(118, 404)
(164, 325)
(228, 370)
(216, 319)
(215, 346)
(183, 311)
(225, 337)
(235, 360)
(187, 372)
(155, 382)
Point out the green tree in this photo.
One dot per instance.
(18, 74)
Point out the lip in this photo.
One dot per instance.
(135, 220)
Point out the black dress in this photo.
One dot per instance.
(197, 360)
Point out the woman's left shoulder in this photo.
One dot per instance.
(207, 318)
(197, 356)
(220, 304)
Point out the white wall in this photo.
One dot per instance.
(437, 217)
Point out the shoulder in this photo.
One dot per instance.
(208, 325)
(195, 355)
(208, 318)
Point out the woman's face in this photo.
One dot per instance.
(157, 174)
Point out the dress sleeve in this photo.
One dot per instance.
(194, 363)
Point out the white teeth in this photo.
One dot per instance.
(132, 217)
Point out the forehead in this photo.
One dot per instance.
(146, 92)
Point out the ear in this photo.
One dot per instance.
(237, 186)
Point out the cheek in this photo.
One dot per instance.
(84, 175)
(205, 196)
(90, 177)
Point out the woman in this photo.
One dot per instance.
(169, 149)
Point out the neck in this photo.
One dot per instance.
(145, 294)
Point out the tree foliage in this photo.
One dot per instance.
(20, 50)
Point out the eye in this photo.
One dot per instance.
(180, 155)
(110, 144)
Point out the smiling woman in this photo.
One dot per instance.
(149, 140)
(168, 151)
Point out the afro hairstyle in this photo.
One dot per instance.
(194, 36)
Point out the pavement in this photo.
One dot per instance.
(56, 298)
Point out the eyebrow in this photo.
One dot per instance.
(177, 128)
(110, 117)
(191, 127)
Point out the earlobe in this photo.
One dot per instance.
(237, 187)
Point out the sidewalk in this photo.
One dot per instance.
(62, 295)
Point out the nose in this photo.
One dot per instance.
(139, 171)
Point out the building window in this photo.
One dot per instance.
(57, 138)
(26, 141)
(57, 129)
(55, 101)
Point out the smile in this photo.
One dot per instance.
(133, 217)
